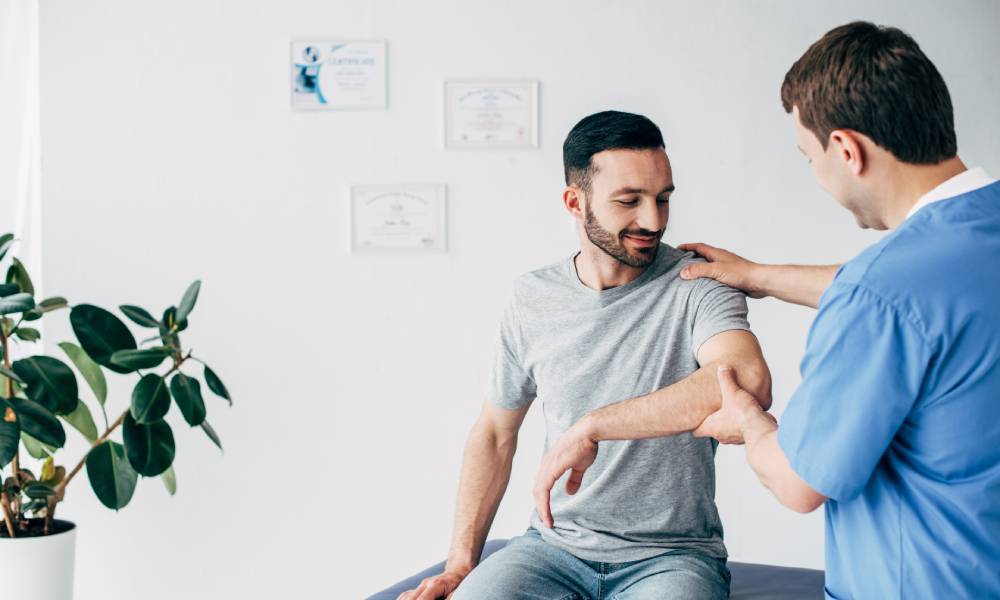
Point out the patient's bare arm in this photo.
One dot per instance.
(489, 453)
(675, 409)
(797, 284)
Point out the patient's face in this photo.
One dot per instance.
(627, 209)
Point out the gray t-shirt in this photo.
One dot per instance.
(578, 349)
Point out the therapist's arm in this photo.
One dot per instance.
(741, 416)
(798, 284)
(674, 409)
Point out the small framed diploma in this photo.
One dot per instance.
(332, 75)
(398, 218)
(490, 114)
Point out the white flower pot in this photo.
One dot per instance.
(39, 568)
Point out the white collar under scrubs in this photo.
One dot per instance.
(966, 181)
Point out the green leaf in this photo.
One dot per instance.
(36, 448)
(16, 303)
(140, 359)
(215, 384)
(6, 289)
(210, 432)
(150, 448)
(170, 480)
(90, 370)
(82, 421)
(139, 316)
(170, 319)
(50, 383)
(28, 334)
(38, 422)
(36, 490)
(111, 476)
(150, 399)
(19, 275)
(101, 334)
(187, 394)
(11, 374)
(45, 306)
(6, 241)
(187, 302)
(10, 432)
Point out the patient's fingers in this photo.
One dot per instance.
(542, 493)
(574, 481)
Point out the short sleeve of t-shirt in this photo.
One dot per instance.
(863, 370)
(717, 308)
(512, 385)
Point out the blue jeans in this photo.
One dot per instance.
(529, 568)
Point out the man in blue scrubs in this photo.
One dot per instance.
(896, 425)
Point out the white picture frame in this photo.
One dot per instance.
(491, 113)
(338, 74)
(399, 218)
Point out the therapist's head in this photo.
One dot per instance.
(868, 105)
(618, 185)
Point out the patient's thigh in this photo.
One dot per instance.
(679, 576)
(528, 569)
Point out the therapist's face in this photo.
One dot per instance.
(628, 206)
(838, 170)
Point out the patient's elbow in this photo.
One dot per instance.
(757, 381)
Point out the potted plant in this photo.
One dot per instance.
(39, 394)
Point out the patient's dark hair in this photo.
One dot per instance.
(608, 130)
(876, 81)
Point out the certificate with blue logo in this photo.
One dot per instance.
(334, 75)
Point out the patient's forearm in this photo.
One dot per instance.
(485, 473)
(798, 284)
(675, 409)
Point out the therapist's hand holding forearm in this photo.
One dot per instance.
(741, 417)
(797, 284)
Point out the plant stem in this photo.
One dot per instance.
(15, 462)
(7, 519)
(62, 484)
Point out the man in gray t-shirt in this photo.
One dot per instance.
(622, 355)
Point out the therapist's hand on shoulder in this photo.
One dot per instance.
(729, 423)
(575, 452)
(725, 267)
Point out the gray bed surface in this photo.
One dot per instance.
(750, 581)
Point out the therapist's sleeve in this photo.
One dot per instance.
(864, 368)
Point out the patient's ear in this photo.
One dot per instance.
(848, 147)
(573, 201)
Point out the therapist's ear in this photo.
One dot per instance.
(847, 147)
(573, 201)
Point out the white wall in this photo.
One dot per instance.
(170, 153)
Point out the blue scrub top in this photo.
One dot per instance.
(897, 419)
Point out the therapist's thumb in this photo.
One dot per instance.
(699, 269)
(727, 381)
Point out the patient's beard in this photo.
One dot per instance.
(612, 246)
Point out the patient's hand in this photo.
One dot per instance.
(725, 267)
(575, 451)
(728, 424)
(438, 586)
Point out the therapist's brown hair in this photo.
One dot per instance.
(876, 81)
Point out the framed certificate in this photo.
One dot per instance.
(331, 75)
(398, 217)
(491, 114)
